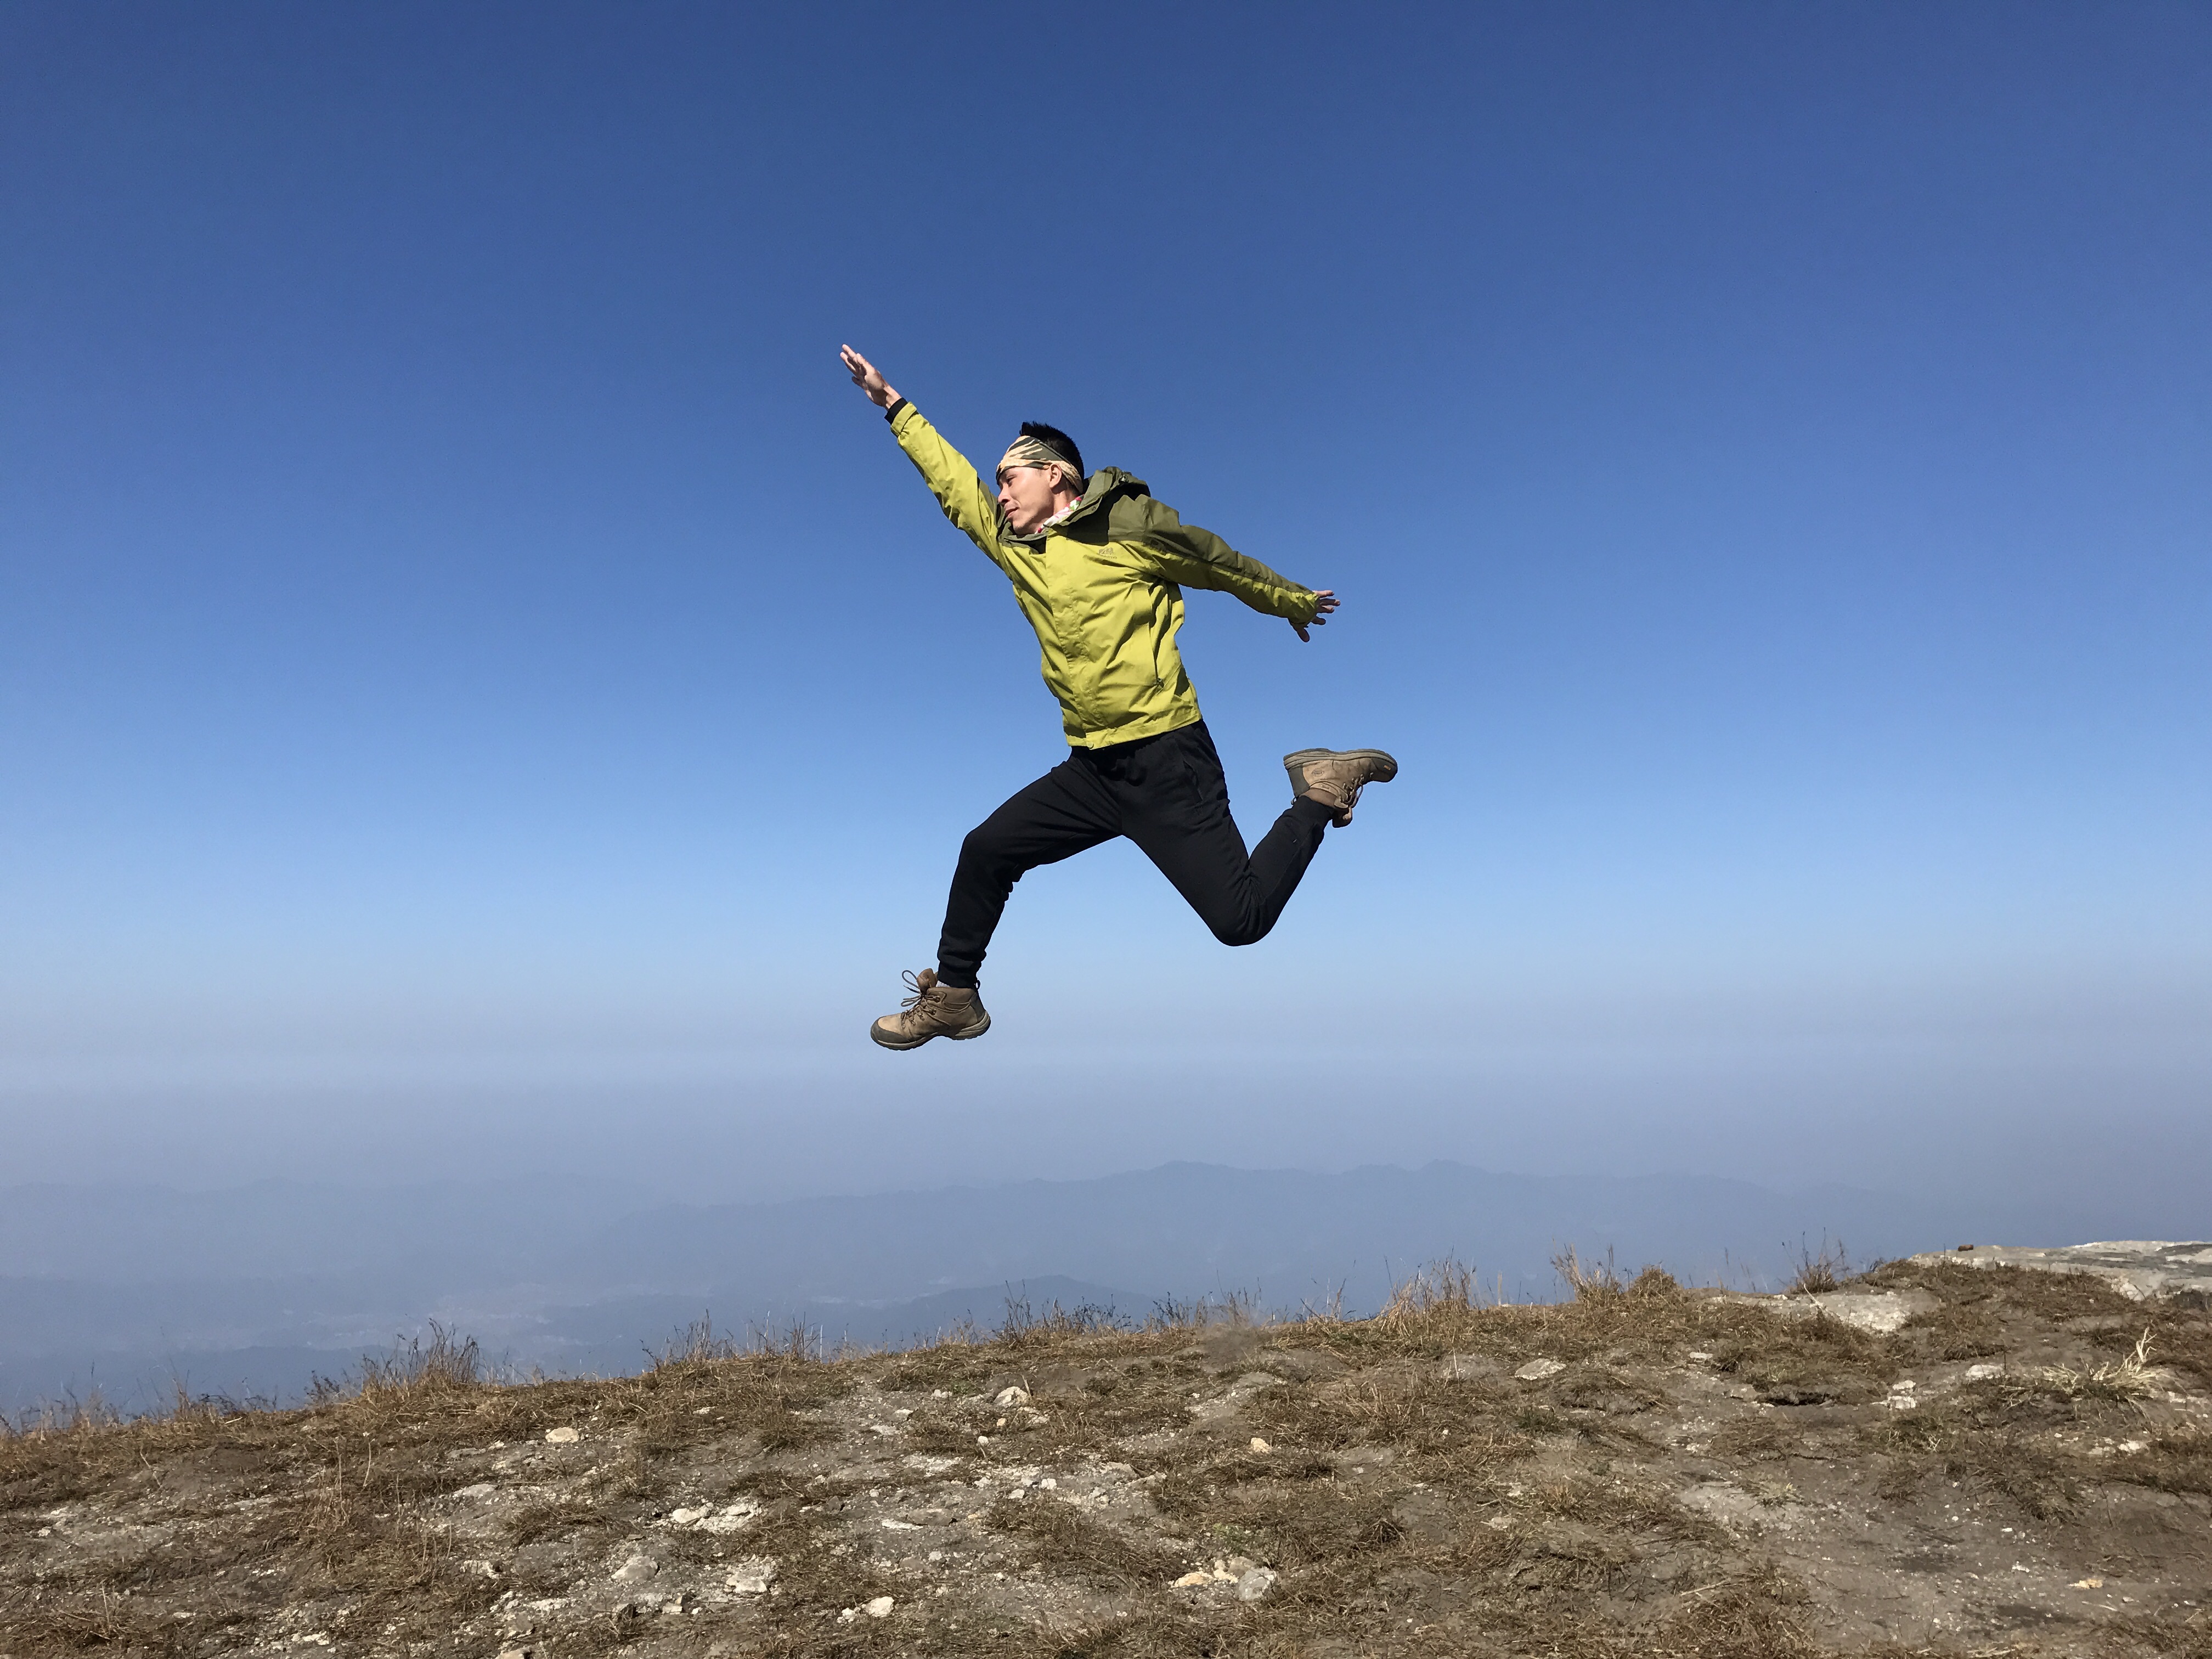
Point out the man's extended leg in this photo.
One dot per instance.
(1057, 817)
(1175, 807)
(1067, 810)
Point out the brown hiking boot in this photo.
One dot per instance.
(1335, 777)
(932, 1010)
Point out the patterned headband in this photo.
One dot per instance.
(1034, 452)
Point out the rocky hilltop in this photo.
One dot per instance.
(1939, 1457)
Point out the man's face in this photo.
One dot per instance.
(1027, 496)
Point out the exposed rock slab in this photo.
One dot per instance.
(1881, 1312)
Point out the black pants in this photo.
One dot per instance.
(1167, 794)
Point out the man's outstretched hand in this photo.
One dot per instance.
(1326, 596)
(868, 378)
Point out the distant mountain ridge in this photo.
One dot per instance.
(583, 1277)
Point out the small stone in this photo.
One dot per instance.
(1238, 1566)
(879, 1608)
(636, 1569)
(1260, 1445)
(1537, 1370)
(481, 1569)
(1254, 1584)
(688, 1518)
(703, 1411)
(2086, 1583)
(1051, 1485)
(890, 1525)
(1015, 1395)
(752, 1576)
(1982, 1373)
(563, 1437)
(1192, 1580)
(1499, 1522)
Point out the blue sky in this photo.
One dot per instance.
(474, 672)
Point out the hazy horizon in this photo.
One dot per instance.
(255, 1290)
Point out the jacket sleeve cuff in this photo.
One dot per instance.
(891, 415)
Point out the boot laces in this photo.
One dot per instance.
(912, 1005)
(1350, 778)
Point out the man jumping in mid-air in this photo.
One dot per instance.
(1098, 568)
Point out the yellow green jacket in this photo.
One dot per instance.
(1103, 585)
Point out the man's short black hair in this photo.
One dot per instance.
(1052, 437)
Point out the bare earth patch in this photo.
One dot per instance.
(1929, 1459)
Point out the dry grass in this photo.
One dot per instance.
(1412, 1508)
(1956, 1331)
(552, 1517)
(1588, 1280)
(1026, 1327)
(2052, 1297)
(1755, 1616)
(1821, 1270)
(1994, 1436)
(1051, 1534)
(2179, 1461)
(2185, 1340)
(2123, 1381)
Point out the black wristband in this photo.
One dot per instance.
(895, 409)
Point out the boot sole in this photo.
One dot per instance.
(974, 1030)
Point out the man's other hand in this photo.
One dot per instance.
(1326, 596)
(868, 378)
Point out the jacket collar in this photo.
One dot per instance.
(1102, 485)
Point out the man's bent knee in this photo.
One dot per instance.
(980, 845)
(983, 853)
(1249, 931)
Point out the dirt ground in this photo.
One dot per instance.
(1936, 1461)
